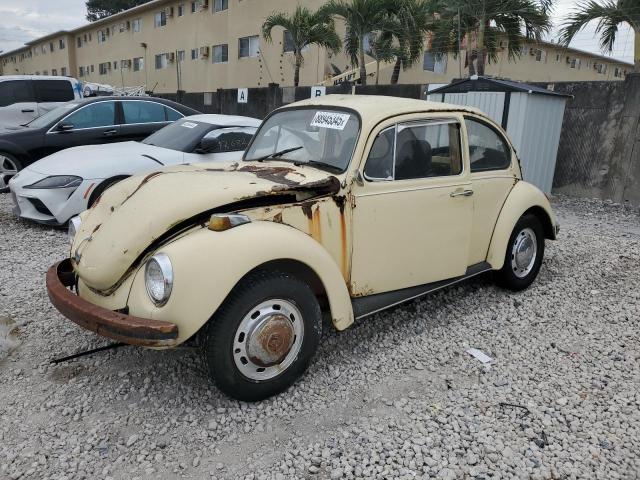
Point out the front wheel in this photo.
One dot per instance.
(523, 258)
(263, 337)
(9, 168)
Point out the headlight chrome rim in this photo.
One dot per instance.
(162, 261)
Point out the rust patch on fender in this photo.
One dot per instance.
(343, 246)
(315, 227)
(273, 174)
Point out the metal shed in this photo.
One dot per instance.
(531, 115)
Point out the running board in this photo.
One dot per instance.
(365, 306)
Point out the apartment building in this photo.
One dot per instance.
(202, 45)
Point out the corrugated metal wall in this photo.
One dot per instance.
(534, 126)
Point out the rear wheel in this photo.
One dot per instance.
(523, 258)
(262, 339)
(9, 167)
(99, 190)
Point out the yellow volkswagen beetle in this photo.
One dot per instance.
(341, 205)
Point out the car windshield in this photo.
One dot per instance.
(319, 136)
(183, 135)
(51, 116)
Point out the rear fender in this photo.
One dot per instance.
(207, 266)
(523, 198)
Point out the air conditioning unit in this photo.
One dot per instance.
(204, 52)
(171, 57)
(204, 5)
(168, 11)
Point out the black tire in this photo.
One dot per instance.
(8, 161)
(99, 190)
(507, 277)
(222, 329)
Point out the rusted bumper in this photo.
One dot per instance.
(104, 322)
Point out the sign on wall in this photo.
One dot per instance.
(243, 95)
(318, 91)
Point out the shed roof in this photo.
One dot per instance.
(490, 84)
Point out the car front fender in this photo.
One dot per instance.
(523, 198)
(207, 265)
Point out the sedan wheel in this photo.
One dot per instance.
(523, 253)
(9, 167)
(263, 337)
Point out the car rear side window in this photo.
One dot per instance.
(173, 115)
(53, 90)
(488, 150)
(99, 114)
(143, 112)
(14, 91)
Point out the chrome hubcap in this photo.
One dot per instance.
(268, 339)
(7, 170)
(524, 252)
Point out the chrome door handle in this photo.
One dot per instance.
(464, 193)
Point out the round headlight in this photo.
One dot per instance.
(74, 226)
(158, 277)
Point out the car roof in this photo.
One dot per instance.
(375, 108)
(36, 77)
(223, 120)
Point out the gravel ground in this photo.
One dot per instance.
(395, 396)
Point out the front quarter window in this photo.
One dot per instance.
(308, 135)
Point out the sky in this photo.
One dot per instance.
(24, 20)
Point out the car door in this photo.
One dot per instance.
(90, 124)
(52, 92)
(17, 102)
(413, 208)
(491, 159)
(141, 118)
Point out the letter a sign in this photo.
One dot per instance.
(243, 95)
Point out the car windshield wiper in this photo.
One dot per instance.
(275, 154)
(321, 165)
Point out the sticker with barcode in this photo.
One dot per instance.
(189, 125)
(333, 120)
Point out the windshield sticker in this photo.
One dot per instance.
(189, 125)
(333, 120)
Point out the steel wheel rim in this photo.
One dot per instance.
(268, 339)
(524, 253)
(8, 169)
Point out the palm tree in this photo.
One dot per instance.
(362, 18)
(483, 23)
(305, 28)
(412, 21)
(609, 14)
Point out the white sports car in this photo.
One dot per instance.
(57, 187)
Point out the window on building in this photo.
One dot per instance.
(488, 150)
(136, 25)
(63, 71)
(102, 36)
(115, 65)
(181, 55)
(45, 72)
(54, 71)
(53, 90)
(248, 46)
(92, 69)
(43, 49)
(287, 42)
(574, 63)
(104, 68)
(195, 54)
(79, 42)
(220, 5)
(136, 111)
(81, 71)
(62, 44)
(181, 10)
(221, 53)
(541, 56)
(138, 64)
(51, 48)
(161, 19)
(161, 61)
(194, 7)
(431, 63)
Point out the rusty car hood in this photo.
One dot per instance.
(141, 211)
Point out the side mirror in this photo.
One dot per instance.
(208, 145)
(65, 127)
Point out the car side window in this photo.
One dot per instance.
(379, 164)
(14, 91)
(488, 150)
(143, 112)
(99, 114)
(172, 115)
(53, 90)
